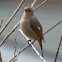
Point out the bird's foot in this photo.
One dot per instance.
(29, 43)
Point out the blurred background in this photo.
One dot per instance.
(48, 14)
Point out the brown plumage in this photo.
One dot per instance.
(31, 27)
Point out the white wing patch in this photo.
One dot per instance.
(39, 28)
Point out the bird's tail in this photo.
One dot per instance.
(40, 44)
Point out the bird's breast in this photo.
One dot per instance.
(25, 27)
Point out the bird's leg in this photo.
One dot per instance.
(29, 41)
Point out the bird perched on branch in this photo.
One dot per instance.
(31, 27)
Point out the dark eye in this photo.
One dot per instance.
(30, 11)
(26, 10)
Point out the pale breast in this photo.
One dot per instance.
(25, 27)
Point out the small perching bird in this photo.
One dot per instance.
(31, 27)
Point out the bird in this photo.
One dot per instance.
(31, 27)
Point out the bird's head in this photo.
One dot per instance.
(28, 10)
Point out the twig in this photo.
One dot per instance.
(32, 5)
(37, 52)
(15, 58)
(53, 27)
(19, 50)
(9, 34)
(15, 28)
(1, 23)
(0, 57)
(15, 50)
(32, 45)
(23, 49)
(12, 16)
(40, 4)
(58, 49)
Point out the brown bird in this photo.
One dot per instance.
(31, 27)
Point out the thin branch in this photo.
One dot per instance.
(9, 34)
(37, 52)
(1, 23)
(15, 28)
(23, 49)
(0, 57)
(18, 51)
(12, 16)
(15, 50)
(40, 4)
(58, 49)
(15, 58)
(32, 46)
(32, 5)
(53, 27)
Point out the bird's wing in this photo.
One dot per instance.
(36, 27)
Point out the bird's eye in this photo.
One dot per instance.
(30, 11)
(26, 10)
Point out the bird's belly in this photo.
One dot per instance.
(28, 33)
(25, 27)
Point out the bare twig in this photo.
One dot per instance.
(15, 28)
(53, 27)
(1, 23)
(32, 5)
(15, 58)
(15, 50)
(19, 50)
(58, 50)
(23, 49)
(0, 57)
(37, 52)
(32, 46)
(9, 34)
(12, 16)
(40, 4)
